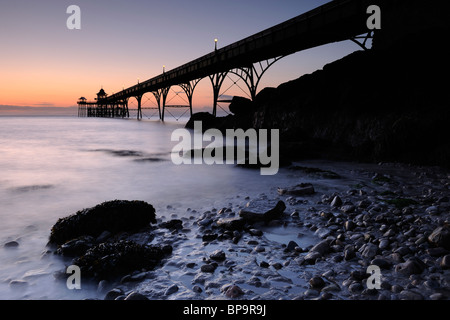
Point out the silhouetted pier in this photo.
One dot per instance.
(248, 58)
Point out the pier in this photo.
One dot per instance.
(249, 59)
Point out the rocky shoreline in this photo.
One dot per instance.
(307, 240)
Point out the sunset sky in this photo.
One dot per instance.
(43, 63)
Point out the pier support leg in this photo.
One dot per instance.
(139, 111)
(217, 81)
(189, 88)
(252, 75)
(161, 93)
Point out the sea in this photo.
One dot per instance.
(53, 166)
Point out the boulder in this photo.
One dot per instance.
(272, 214)
(207, 119)
(114, 216)
(107, 261)
(241, 106)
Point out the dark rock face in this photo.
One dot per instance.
(385, 104)
(114, 216)
(368, 106)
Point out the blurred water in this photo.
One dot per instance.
(52, 167)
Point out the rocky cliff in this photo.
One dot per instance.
(389, 103)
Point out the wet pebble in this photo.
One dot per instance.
(171, 290)
(233, 291)
(218, 255)
(11, 244)
(135, 296)
(445, 262)
(336, 202)
(209, 268)
(260, 248)
(316, 282)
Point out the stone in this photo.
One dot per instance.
(260, 249)
(235, 223)
(209, 268)
(349, 254)
(291, 246)
(311, 257)
(349, 225)
(331, 287)
(369, 250)
(272, 214)
(445, 262)
(209, 237)
(218, 255)
(364, 204)
(113, 294)
(410, 295)
(276, 212)
(11, 244)
(106, 261)
(384, 244)
(336, 202)
(174, 224)
(241, 106)
(359, 275)
(208, 120)
(310, 293)
(233, 291)
(322, 247)
(317, 282)
(76, 247)
(277, 266)
(355, 287)
(432, 210)
(171, 290)
(348, 208)
(299, 190)
(440, 237)
(323, 232)
(114, 216)
(437, 296)
(197, 289)
(382, 263)
(412, 266)
(255, 232)
(402, 250)
(136, 296)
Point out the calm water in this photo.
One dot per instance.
(52, 167)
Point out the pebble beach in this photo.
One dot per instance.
(309, 240)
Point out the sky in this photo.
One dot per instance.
(43, 63)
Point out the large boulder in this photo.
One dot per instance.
(207, 119)
(241, 106)
(113, 216)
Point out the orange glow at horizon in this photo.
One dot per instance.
(43, 63)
